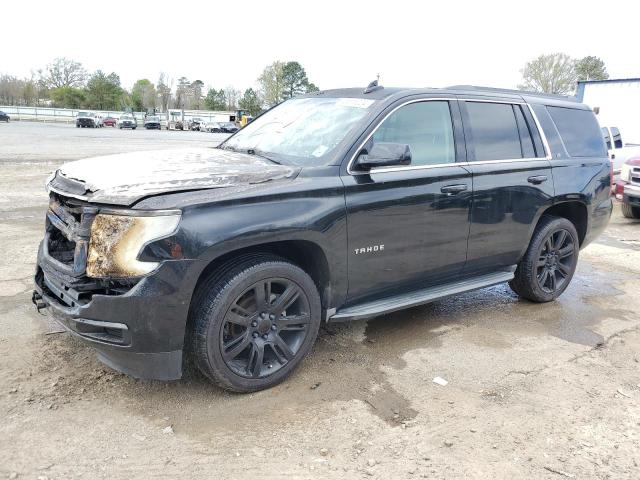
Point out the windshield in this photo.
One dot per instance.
(301, 130)
(229, 124)
(152, 119)
(84, 114)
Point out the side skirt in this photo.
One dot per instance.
(419, 297)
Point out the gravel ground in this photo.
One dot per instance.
(534, 391)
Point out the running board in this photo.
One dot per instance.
(419, 297)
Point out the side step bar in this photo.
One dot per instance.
(419, 297)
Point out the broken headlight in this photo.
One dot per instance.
(116, 240)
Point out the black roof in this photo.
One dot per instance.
(496, 93)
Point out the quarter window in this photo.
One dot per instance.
(495, 131)
(424, 126)
(579, 131)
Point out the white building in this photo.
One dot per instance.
(616, 103)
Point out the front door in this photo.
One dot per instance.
(408, 226)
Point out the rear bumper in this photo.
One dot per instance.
(140, 333)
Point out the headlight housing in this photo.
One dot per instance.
(117, 240)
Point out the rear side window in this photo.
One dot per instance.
(495, 131)
(607, 137)
(617, 138)
(426, 127)
(579, 131)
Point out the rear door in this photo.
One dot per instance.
(512, 181)
(408, 225)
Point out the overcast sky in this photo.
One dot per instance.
(339, 43)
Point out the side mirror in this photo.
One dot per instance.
(385, 154)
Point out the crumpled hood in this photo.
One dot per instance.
(125, 178)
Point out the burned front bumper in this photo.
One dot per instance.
(139, 332)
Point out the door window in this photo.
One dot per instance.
(426, 127)
(495, 131)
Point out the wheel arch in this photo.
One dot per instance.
(574, 211)
(306, 254)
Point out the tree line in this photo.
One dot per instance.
(65, 83)
(559, 73)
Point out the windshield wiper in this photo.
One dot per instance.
(261, 154)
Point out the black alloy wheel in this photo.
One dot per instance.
(548, 265)
(252, 321)
(555, 261)
(265, 327)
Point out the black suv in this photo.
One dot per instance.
(335, 206)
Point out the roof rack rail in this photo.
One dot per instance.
(507, 90)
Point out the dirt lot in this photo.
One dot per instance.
(535, 391)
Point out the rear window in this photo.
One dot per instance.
(579, 130)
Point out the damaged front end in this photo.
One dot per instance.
(91, 277)
(64, 254)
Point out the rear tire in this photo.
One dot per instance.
(254, 320)
(629, 211)
(549, 263)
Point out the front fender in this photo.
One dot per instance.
(208, 232)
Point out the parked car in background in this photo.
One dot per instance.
(109, 122)
(627, 188)
(619, 152)
(194, 123)
(208, 126)
(4, 117)
(228, 127)
(127, 121)
(152, 122)
(334, 206)
(87, 120)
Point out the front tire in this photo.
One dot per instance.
(253, 322)
(629, 211)
(548, 266)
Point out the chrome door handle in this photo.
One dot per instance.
(453, 189)
(537, 179)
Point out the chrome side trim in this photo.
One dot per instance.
(545, 144)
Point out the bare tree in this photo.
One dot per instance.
(63, 72)
(554, 73)
(233, 97)
(164, 91)
(196, 90)
(271, 83)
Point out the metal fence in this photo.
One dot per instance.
(68, 115)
